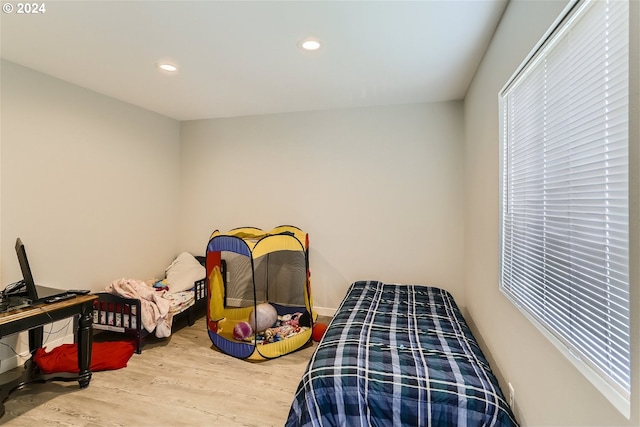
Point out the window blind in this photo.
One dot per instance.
(565, 223)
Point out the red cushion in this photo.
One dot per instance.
(104, 356)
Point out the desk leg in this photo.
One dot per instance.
(35, 339)
(85, 339)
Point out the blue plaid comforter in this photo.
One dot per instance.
(398, 355)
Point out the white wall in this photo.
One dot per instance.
(549, 391)
(89, 183)
(379, 190)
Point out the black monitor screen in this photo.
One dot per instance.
(27, 276)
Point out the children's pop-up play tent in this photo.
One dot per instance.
(249, 270)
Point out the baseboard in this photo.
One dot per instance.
(324, 311)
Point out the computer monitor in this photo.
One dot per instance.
(27, 276)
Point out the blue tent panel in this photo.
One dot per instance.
(230, 244)
(237, 349)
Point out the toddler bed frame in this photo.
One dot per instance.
(123, 315)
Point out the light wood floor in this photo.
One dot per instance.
(179, 381)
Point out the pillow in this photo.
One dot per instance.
(183, 271)
(104, 356)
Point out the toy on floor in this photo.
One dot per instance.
(318, 331)
(242, 331)
(262, 317)
(247, 267)
(287, 326)
(295, 319)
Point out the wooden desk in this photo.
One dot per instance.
(32, 319)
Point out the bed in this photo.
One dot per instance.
(138, 309)
(398, 355)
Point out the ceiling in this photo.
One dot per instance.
(239, 58)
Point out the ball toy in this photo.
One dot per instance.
(262, 317)
(318, 331)
(242, 330)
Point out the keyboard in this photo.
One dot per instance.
(62, 296)
(58, 297)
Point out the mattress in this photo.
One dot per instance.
(398, 355)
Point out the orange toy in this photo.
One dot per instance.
(318, 331)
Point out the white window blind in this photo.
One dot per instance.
(565, 224)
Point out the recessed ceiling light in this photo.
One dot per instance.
(310, 44)
(167, 67)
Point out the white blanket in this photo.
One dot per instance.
(154, 308)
